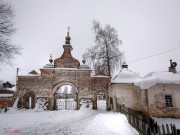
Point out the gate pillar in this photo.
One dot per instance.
(95, 102)
(78, 102)
(51, 102)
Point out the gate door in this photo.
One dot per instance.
(66, 98)
(66, 101)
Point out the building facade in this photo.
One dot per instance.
(156, 95)
(63, 83)
(6, 95)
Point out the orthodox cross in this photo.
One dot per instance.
(68, 29)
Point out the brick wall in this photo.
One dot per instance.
(156, 100)
(46, 84)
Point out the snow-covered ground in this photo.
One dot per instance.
(80, 122)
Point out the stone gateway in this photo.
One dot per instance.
(63, 83)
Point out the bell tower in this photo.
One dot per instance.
(67, 60)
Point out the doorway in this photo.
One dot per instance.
(66, 98)
(101, 100)
(29, 100)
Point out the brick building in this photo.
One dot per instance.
(63, 83)
(157, 94)
(6, 95)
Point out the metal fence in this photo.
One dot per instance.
(145, 125)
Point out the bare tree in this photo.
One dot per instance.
(65, 91)
(106, 51)
(1, 82)
(7, 49)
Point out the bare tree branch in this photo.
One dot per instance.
(7, 49)
(106, 49)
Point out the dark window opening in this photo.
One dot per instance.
(168, 101)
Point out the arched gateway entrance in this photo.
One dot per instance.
(101, 97)
(29, 100)
(66, 97)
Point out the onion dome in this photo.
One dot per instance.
(68, 38)
(51, 60)
(50, 65)
(124, 65)
(84, 66)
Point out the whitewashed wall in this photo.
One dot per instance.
(156, 100)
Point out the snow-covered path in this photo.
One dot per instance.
(96, 123)
(81, 122)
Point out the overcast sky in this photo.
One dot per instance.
(146, 28)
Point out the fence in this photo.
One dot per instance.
(145, 125)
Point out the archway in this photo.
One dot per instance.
(29, 100)
(66, 98)
(101, 100)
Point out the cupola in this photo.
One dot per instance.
(124, 65)
(66, 60)
(68, 38)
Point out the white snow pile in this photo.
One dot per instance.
(86, 103)
(126, 76)
(11, 89)
(158, 77)
(41, 104)
(15, 103)
(65, 122)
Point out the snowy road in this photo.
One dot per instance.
(81, 122)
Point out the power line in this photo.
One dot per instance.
(153, 55)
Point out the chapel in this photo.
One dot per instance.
(64, 83)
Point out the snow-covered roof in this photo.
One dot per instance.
(11, 89)
(66, 69)
(49, 65)
(84, 66)
(158, 77)
(33, 72)
(100, 76)
(30, 75)
(6, 95)
(126, 76)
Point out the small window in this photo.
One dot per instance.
(168, 101)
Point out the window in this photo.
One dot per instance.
(168, 101)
